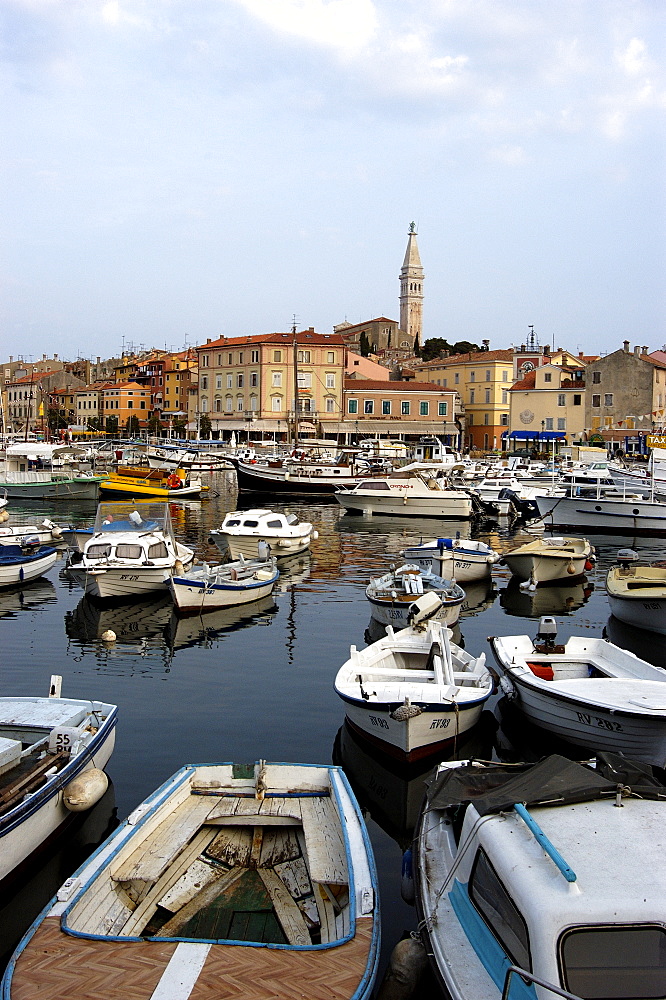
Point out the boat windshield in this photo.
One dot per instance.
(133, 516)
(614, 962)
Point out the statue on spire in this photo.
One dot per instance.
(412, 227)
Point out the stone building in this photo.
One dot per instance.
(625, 398)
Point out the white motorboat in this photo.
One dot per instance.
(647, 480)
(205, 587)
(534, 867)
(300, 474)
(46, 533)
(511, 495)
(36, 471)
(417, 490)
(603, 511)
(587, 691)
(461, 559)
(637, 592)
(414, 690)
(191, 460)
(243, 531)
(129, 554)
(392, 595)
(544, 560)
(20, 563)
(48, 749)
(229, 880)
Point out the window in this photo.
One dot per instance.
(230, 358)
(277, 379)
(204, 405)
(614, 961)
(424, 408)
(240, 357)
(239, 380)
(253, 403)
(218, 381)
(254, 379)
(204, 361)
(230, 381)
(330, 380)
(596, 377)
(98, 551)
(504, 419)
(470, 419)
(505, 376)
(499, 912)
(404, 407)
(218, 405)
(471, 395)
(487, 376)
(157, 551)
(486, 418)
(129, 551)
(505, 397)
(487, 395)
(549, 423)
(386, 407)
(548, 376)
(330, 404)
(254, 357)
(608, 399)
(130, 404)
(330, 358)
(456, 378)
(472, 376)
(142, 404)
(219, 360)
(577, 399)
(368, 406)
(239, 403)
(352, 406)
(442, 409)
(277, 355)
(561, 399)
(444, 383)
(304, 357)
(305, 380)
(276, 403)
(561, 423)
(596, 399)
(204, 381)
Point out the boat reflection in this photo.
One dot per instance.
(35, 882)
(205, 629)
(645, 644)
(26, 597)
(134, 622)
(293, 570)
(479, 594)
(556, 600)
(415, 530)
(391, 792)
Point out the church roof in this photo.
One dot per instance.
(412, 261)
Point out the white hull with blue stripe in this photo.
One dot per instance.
(225, 586)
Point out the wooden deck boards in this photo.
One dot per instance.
(56, 966)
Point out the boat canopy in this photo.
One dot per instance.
(555, 780)
(133, 516)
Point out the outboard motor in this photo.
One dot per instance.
(547, 633)
(625, 557)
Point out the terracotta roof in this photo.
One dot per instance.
(362, 385)
(525, 383)
(476, 357)
(304, 338)
(127, 385)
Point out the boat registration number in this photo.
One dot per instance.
(440, 723)
(128, 576)
(594, 720)
(377, 721)
(395, 613)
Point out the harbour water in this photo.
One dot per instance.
(258, 683)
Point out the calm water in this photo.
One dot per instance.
(235, 686)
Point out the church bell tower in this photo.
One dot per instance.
(411, 290)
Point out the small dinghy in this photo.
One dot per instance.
(414, 691)
(228, 881)
(461, 559)
(535, 867)
(588, 691)
(52, 754)
(637, 591)
(392, 595)
(28, 561)
(205, 587)
(545, 560)
(243, 532)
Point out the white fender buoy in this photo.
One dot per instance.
(406, 967)
(109, 635)
(85, 790)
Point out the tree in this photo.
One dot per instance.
(111, 425)
(94, 424)
(363, 345)
(179, 427)
(417, 348)
(55, 420)
(132, 426)
(205, 426)
(154, 423)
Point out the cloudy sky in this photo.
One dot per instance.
(173, 170)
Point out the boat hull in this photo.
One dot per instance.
(248, 547)
(144, 488)
(23, 831)
(118, 583)
(389, 612)
(545, 568)
(460, 564)
(23, 572)
(435, 505)
(627, 517)
(192, 596)
(83, 488)
(262, 479)
(642, 612)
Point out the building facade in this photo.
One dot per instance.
(411, 290)
(547, 405)
(404, 409)
(625, 398)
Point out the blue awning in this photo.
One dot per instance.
(535, 435)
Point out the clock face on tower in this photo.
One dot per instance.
(527, 366)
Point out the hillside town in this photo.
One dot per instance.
(380, 378)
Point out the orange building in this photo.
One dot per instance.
(124, 400)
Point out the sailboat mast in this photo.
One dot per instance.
(295, 349)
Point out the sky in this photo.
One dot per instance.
(174, 170)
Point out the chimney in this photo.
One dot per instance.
(644, 349)
(486, 344)
(580, 354)
(43, 357)
(99, 360)
(55, 357)
(546, 351)
(626, 346)
(209, 340)
(637, 351)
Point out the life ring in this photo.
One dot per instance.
(173, 482)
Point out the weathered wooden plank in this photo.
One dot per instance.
(280, 844)
(294, 874)
(232, 845)
(157, 851)
(325, 848)
(203, 898)
(289, 915)
(138, 920)
(326, 914)
(199, 874)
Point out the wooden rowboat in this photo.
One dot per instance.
(229, 881)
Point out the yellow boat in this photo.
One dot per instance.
(145, 482)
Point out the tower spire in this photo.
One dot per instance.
(411, 289)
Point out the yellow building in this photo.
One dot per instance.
(123, 400)
(546, 405)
